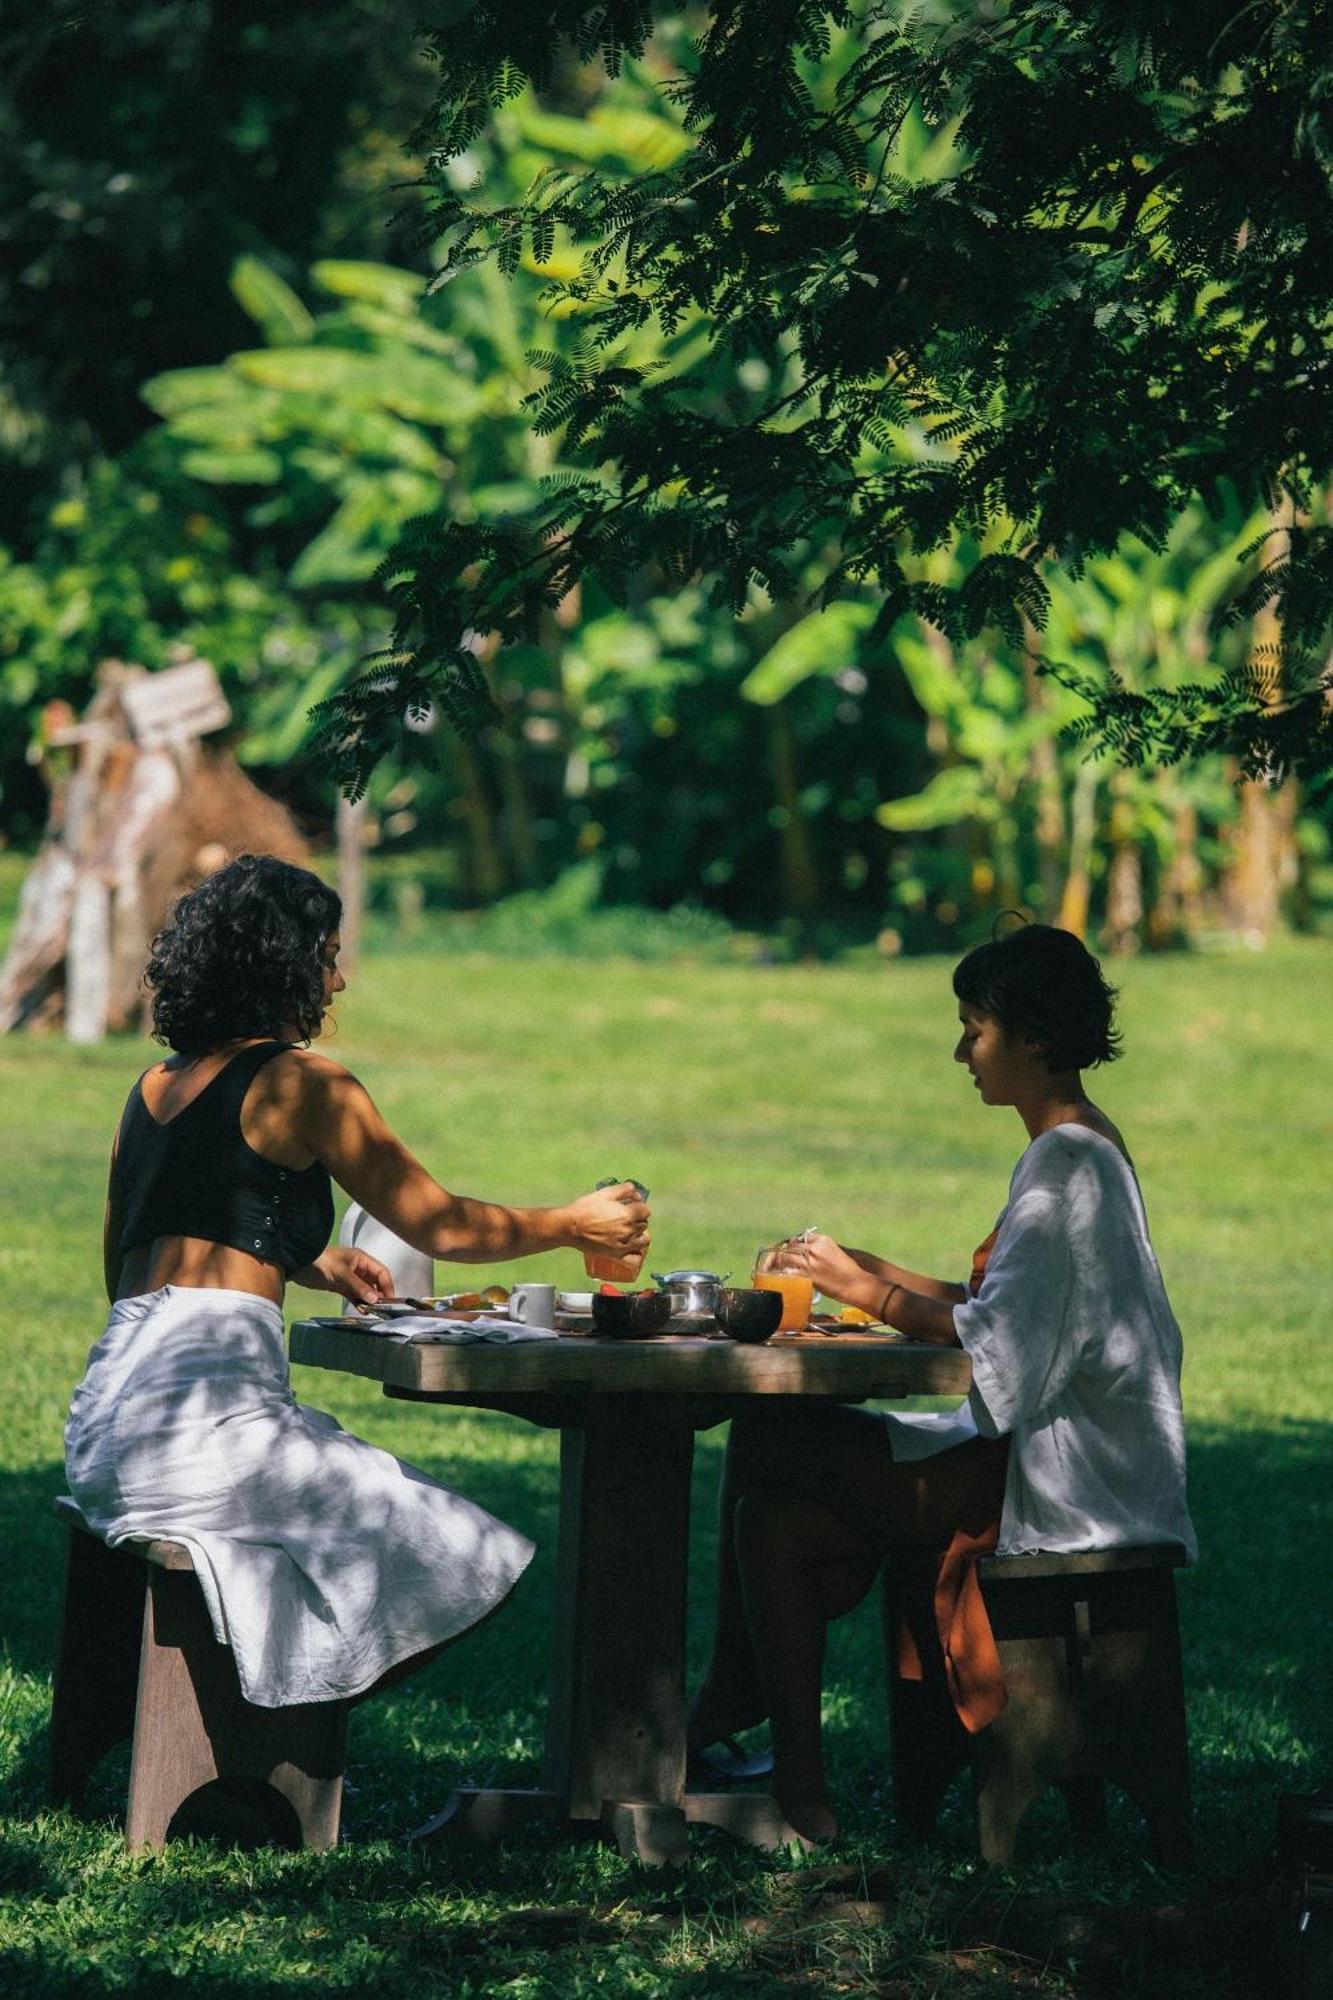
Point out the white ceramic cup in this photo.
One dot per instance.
(533, 1305)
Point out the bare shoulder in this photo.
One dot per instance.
(1097, 1121)
(306, 1077)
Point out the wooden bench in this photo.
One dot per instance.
(1090, 1648)
(137, 1659)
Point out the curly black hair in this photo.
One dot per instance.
(240, 956)
(1044, 983)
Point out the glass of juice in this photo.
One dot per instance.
(797, 1290)
(612, 1270)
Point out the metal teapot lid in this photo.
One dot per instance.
(686, 1278)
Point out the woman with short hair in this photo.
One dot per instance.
(1072, 1435)
(326, 1563)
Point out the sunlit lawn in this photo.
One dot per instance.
(751, 1102)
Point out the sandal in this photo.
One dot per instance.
(709, 1767)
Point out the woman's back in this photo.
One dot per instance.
(194, 1174)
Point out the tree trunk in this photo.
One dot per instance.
(1124, 880)
(1044, 771)
(1177, 907)
(1076, 895)
(88, 960)
(516, 817)
(1262, 839)
(351, 828)
(1262, 861)
(484, 861)
(30, 980)
(800, 876)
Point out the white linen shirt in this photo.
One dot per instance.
(1076, 1356)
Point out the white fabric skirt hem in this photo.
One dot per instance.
(323, 1560)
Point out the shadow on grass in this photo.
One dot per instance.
(1255, 1619)
(1256, 1611)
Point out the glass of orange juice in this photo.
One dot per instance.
(797, 1290)
(601, 1264)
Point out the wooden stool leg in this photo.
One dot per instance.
(309, 1773)
(1036, 1740)
(97, 1661)
(193, 1726)
(1135, 1704)
(173, 1755)
(1008, 1779)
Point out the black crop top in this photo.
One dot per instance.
(196, 1175)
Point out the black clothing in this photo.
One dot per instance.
(195, 1175)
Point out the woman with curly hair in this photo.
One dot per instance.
(1072, 1436)
(326, 1563)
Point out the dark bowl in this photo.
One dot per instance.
(630, 1315)
(746, 1315)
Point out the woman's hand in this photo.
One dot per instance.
(834, 1270)
(612, 1219)
(352, 1274)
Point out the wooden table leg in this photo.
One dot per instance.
(615, 1730)
(615, 1745)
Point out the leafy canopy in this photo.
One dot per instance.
(1045, 273)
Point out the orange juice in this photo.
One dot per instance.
(798, 1295)
(613, 1270)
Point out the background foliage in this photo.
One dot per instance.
(314, 425)
(1047, 274)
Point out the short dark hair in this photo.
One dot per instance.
(239, 956)
(1044, 983)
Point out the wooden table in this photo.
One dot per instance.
(627, 1412)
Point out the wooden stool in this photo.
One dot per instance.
(137, 1658)
(1090, 1649)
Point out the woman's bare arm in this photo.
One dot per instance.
(112, 1217)
(912, 1281)
(868, 1282)
(334, 1116)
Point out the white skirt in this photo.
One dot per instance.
(323, 1560)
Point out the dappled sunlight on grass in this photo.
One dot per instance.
(750, 1101)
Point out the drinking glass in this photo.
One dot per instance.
(600, 1263)
(797, 1290)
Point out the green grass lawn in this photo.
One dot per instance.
(752, 1102)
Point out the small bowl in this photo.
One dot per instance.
(630, 1315)
(748, 1315)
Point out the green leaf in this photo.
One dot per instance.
(381, 285)
(959, 792)
(928, 675)
(411, 385)
(233, 468)
(181, 389)
(271, 303)
(821, 643)
(346, 550)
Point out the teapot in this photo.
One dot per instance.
(693, 1294)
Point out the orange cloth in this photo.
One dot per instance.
(942, 1613)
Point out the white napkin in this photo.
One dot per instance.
(436, 1327)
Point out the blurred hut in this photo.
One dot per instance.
(140, 810)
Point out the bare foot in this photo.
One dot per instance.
(812, 1820)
